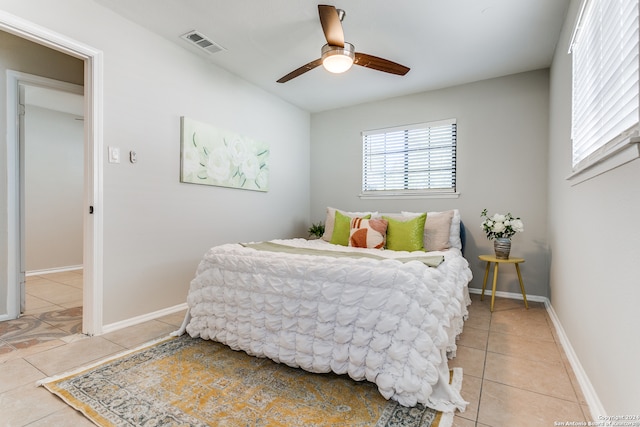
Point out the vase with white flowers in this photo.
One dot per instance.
(501, 228)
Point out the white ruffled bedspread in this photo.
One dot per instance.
(385, 321)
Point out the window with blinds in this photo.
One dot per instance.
(419, 158)
(604, 50)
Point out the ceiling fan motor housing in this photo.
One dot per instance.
(337, 59)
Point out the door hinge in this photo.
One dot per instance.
(90, 209)
(21, 109)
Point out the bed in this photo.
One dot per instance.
(388, 316)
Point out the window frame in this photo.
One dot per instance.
(622, 147)
(409, 193)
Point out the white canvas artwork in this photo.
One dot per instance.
(213, 156)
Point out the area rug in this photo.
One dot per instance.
(192, 382)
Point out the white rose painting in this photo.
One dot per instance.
(213, 156)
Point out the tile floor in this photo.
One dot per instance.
(515, 372)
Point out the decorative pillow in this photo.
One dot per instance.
(341, 228)
(406, 235)
(436, 231)
(454, 230)
(330, 220)
(368, 233)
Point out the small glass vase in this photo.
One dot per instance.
(502, 247)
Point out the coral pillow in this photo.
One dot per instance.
(368, 233)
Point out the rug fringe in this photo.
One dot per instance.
(45, 381)
(183, 327)
(456, 379)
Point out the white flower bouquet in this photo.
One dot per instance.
(501, 226)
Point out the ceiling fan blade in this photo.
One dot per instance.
(295, 73)
(380, 64)
(331, 25)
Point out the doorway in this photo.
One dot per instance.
(52, 180)
(50, 198)
(92, 200)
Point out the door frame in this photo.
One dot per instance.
(93, 168)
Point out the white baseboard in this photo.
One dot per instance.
(144, 318)
(590, 395)
(510, 295)
(53, 270)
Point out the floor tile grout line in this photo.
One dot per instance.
(532, 391)
(559, 362)
(484, 367)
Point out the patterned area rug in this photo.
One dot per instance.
(193, 382)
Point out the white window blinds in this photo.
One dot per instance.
(604, 50)
(409, 159)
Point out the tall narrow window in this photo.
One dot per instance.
(604, 51)
(409, 160)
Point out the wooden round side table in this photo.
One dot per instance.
(491, 258)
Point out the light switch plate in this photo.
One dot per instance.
(114, 155)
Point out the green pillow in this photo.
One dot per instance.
(406, 235)
(341, 229)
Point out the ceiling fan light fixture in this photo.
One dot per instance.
(336, 59)
(337, 56)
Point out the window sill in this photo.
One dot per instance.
(622, 153)
(418, 195)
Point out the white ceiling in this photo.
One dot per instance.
(444, 42)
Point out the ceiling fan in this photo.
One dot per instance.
(337, 56)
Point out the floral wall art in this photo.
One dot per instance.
(213, 156)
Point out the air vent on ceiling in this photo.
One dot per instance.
(202, 41)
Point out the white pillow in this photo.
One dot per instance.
(454, 235)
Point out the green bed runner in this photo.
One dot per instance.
(431, 261)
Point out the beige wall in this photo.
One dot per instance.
(502, 163)
(594, 235)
